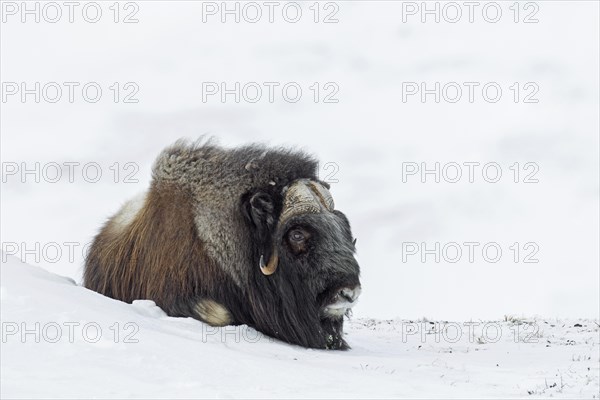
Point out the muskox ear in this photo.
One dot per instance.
(259, 209)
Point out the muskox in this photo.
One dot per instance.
(234, 236)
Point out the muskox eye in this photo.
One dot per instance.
(298, 239)
(296, 235)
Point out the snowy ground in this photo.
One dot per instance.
(86, 345)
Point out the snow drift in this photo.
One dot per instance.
(62, 340)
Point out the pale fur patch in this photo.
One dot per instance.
(127, 213)
(213, 313)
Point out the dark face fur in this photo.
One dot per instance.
(317, 277)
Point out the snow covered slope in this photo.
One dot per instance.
(62, 340)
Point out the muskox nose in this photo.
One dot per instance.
(350, 294)
(342, 302)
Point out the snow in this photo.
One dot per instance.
(156, 356)
(368, 136)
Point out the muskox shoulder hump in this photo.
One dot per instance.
(203, 164)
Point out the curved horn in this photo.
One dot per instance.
(323, 194)
(305, 197)
(271, 267)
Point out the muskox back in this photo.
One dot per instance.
(182, 241)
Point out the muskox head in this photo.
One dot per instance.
(305, 251)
